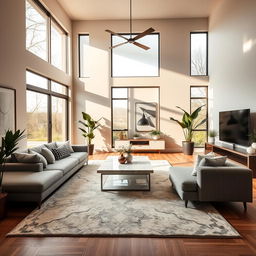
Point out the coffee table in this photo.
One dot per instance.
(125, 177)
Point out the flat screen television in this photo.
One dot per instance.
(234, 126)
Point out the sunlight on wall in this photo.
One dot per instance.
(248, 45)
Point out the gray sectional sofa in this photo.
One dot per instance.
(229, 183)
(31, 182)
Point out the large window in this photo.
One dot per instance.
(83, 46)
(199, 54)
(119, 113)
(44, 35)
(129, 60)
(47, 110)
(199, 97)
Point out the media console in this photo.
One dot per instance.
(142, 144)
(246, 159)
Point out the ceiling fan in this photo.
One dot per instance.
(132, 40)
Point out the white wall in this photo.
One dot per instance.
(93, 94)
(232, 55)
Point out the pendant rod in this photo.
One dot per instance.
(130, 18)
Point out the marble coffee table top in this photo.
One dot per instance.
(139, 165)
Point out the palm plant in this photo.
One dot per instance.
(9, 145)
(188, 122)
(89, 126)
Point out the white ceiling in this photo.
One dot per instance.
(142, 9)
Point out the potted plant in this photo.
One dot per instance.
(8, 146)
(88, 131)
(155, 134)
(253, 139)
(125, 154)
(212, 134)
(188, 125)
(136, 136)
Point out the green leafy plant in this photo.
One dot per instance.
(136, 135)
(212, 133)
(9, 145)
(125, 149)
(252, 136)
(188, 122)
(89, 126)
(155, 132)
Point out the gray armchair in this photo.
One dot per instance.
(230, 183)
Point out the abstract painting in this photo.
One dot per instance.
(146, 116)
(7, 110)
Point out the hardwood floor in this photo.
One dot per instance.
(244, 223)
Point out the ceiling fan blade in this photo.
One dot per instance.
(116, 34)
(118, 45)
(141, 46)
(146, 32)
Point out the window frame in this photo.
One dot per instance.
(207, 53)
(127, 34)
(51, 19)
(79, 54)
(49, 94)
(206, 98)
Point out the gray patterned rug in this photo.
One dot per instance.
(79, 208)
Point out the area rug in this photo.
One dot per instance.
(80, 208)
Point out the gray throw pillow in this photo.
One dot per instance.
(67, 145)
(60, 152)
(215, 161)
(198, 160)
(42, 158)
(51, 145)
(26, 158)
(48, 155)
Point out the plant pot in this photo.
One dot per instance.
(155, 137)
(211, 140)
(122, 159)
(188, 147)
(3, 207)
(254, 145)
(90, 149)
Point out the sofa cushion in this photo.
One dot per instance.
(181, 177)
(47, 153)
(67, 145)
(51, 145)
(27, 158)
(61, 152)
(81, 156)
(64, 165)
(199, 160)
(37, 149)
(34, 182)
(42, 158)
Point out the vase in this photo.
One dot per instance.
(155, 137)
(250, 150)
(129, 158)
(254, 145)
(211, 140)
(122, 159)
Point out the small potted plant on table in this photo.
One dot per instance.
(8, 146)
(188, 125)
(155, 134)
(212, 135)
(88, 131)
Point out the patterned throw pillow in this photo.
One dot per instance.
(60, 152)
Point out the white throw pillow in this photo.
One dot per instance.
(42, 158)
(198, 160)
(67, 145)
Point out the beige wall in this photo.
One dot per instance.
(93, 94)
(232, 55)
(14, 59)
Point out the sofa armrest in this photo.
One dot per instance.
(80, 148)
(27, 167)
(225, 184)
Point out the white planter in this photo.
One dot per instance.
(254, 145)
(250, 150)
(211, 140)
(155, 137)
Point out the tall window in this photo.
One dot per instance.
(83, 46)
(44, 35)
(131, 61)
(199, 97)
(119, 112)
(199, 54)
(47, 110)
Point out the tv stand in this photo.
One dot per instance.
(246, 159)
